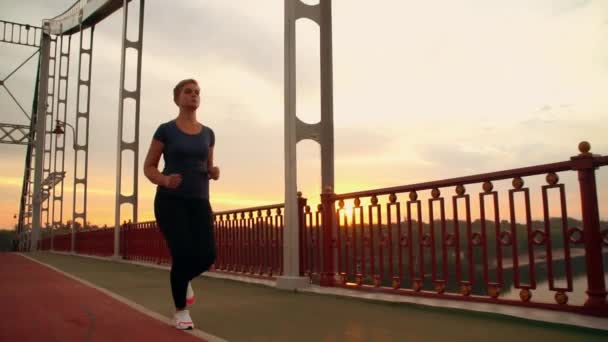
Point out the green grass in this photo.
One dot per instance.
(245, 312)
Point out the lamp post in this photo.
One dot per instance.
(14, 247)
(59, 129)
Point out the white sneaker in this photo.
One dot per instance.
(190, 298)
(183, 320)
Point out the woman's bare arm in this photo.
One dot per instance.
(151, 167)
(151, 163)
(214, 171)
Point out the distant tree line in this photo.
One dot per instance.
(6, 240)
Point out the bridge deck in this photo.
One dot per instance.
(41, 304)
(246, 312)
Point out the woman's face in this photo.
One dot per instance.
(190, 96)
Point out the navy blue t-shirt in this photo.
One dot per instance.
(187, 155)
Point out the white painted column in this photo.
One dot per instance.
(291, 278)
(40, 136)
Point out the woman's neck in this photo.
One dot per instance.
(187, 116)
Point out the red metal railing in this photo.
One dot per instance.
(98, 242)
(143, 242)
(45, 244)
(250, 241)
(369, 247)
(401, 240)
(311, 241)
(62, 242)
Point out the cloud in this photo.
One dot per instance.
(562, 7)
(32, 12)
(209, 32)
(462, 156)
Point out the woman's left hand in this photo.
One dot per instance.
(214, 173)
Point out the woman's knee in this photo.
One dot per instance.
(204, 262)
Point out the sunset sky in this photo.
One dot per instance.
(423, 90)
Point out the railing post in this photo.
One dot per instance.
(127, 243)
(596, 287)
(158, 238)
(123, 237)
(301, 226)
(327, 203)
(72, 237)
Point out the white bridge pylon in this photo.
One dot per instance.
(87, 12)
(82, 15)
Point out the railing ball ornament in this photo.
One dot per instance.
(525, 295)
(343, 278)
(417, 285)
(341, 204)
(552, 178)
(374, 200)
(357, 202)
(518, 183)
(396, 283)
(465, 290)
(488, 186)
(493, 291)
(561, 297)
(376, 280)
(392, 198)
(435, 193)
(584, 147)
(460, 190)
(319, 207)
(440, 288)
(413, 196)
(307, 208)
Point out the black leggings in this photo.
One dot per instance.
(187, 224)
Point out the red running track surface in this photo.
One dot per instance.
(40, 304)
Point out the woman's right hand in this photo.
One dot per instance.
(172, 181)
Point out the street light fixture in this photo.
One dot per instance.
(59, 129)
